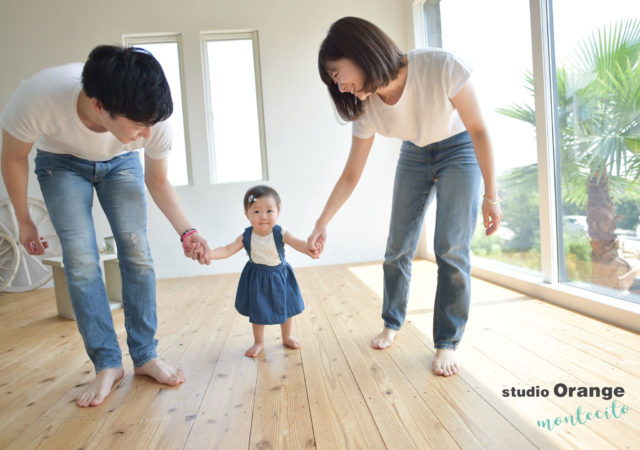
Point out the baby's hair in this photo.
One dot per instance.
(260, 191)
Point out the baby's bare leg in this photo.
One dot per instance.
(287, 339)
(94, 393)
(258, 345)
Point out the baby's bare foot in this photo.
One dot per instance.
(384, 339)
(94, 393)
(292, 342)
(445, 362)
(161, 372)
(254, 350)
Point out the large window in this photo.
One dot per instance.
(501, 66)
(234, 109)
(597, 70)
(167, 50)
(571, 197)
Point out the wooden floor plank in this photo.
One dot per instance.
(387, 392)
(472, 422)
(281, 417)
(168, 419)
(224, 418)
(341, 418)
(335, 392)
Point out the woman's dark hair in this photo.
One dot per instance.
(129, 82)
(369, 48)
(260, 191)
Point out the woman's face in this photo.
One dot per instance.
(348, 77)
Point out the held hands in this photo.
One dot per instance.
(31, 240)
(491, 214)
(315, 243)
(196, 248)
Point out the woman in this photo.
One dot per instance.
(425, 98)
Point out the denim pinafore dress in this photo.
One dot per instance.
(268, 295)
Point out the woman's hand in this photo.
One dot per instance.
(316, 240)
(491, 214)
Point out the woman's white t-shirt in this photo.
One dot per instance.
(424, 113)
(44, 110)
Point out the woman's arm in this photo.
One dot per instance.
(227, 250)
(299, 245)
(345, 185)
(467, 105)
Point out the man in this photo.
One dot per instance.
(86, 121)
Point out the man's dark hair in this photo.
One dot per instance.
(260, 191)
(369, 48)
(129, 82)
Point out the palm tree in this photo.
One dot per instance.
(598, 110)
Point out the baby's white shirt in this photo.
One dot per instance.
(264, 250)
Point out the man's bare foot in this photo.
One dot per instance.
(95, 392)
(254, 350)
(445, 362)
(161, 372)
(384, 339)
(292, 342)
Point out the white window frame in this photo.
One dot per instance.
(208, 36)
(131, 40)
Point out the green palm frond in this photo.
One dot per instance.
(598, 112)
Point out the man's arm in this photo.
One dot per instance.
(15, 172)
(165, 196)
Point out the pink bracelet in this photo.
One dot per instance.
(187, 234)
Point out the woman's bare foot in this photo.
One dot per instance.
(95, 392)
(254, 350)
(384, 339)
(445, 362)
(161, 372)
(292, 342)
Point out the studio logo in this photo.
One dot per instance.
(615, 410)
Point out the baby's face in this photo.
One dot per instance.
(263, 214)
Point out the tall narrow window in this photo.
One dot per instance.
(166, 49)
(597, 62)
(234, 114)
(498, 78)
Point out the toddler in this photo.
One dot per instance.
(268, 292)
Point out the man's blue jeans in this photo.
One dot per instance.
(67, 185)
(450, 166)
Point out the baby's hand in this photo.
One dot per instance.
(314, 254)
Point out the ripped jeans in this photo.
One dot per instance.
(67, 185)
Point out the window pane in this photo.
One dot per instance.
(598, 86)
(499, 51)
(234, 111)
(167, 55)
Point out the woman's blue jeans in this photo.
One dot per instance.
(451, 169)
(67, 185)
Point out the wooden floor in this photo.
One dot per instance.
(335, 393)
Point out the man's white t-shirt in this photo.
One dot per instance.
(44, 110)
(424, 113)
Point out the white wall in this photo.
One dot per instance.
(306, 147)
